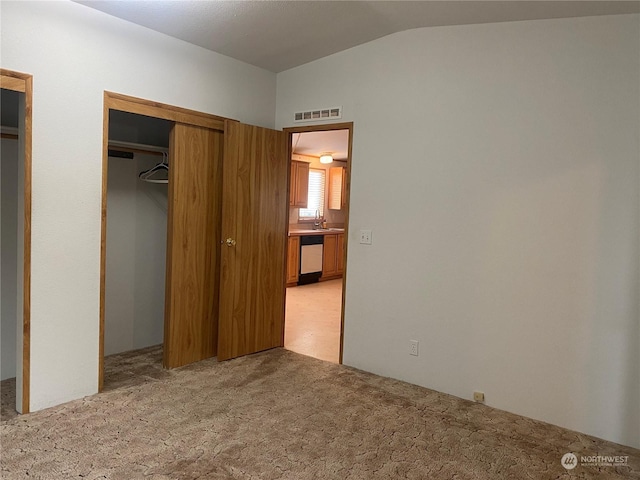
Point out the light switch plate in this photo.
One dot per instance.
(365, 237)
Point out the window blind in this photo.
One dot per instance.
(317, 180)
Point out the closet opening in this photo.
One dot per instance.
(9, 242)
(136, 247)
(223, 267)
(15, 241)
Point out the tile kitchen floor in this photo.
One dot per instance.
(312, 322)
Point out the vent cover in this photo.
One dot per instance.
(318, 114)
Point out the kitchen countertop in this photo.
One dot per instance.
(326, 231)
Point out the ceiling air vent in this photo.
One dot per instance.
(319, 114)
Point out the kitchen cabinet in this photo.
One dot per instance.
(299, 184)
(333, 256)
(293, 260)
(329, 264)
(337, 188)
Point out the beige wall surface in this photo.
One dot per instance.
(498, 168)
(75, 53)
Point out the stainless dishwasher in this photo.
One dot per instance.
(310, 258)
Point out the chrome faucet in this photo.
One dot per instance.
(316, 223)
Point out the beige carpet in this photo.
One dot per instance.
(8, 399)
(281, 415)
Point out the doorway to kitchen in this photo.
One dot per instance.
(320, 172)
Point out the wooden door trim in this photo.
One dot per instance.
(126, 103)
(12, 81)
(23, 83)
(325, 128)
(322, 128)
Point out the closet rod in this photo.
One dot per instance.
(8, 132)
(137, 147)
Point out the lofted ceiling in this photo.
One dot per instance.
(279, 35)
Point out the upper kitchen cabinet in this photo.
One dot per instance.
(337, 188)
(299, 184)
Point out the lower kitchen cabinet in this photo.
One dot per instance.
(293, 260)
(340, 254)
(333, 256)
(329, 264)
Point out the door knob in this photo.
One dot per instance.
(230, 242)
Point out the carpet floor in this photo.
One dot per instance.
(8, 399)
(281, 415)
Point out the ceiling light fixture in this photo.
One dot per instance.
(326, 158)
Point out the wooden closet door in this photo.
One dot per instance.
(193, 248)
(254, 217)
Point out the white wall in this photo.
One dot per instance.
(9, 255)
(505, 236)
(74, 54)
(136, 257)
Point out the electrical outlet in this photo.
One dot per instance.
(478, 397)
(413, 347)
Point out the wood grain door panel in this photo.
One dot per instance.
(193, 248)
(254, 218)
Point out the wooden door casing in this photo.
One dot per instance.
(193, 248)
(254, 219)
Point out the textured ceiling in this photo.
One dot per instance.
(279, 35)
(335, 142)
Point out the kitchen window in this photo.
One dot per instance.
(317, 181)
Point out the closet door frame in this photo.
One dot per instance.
(125, 103)
(23, 83)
